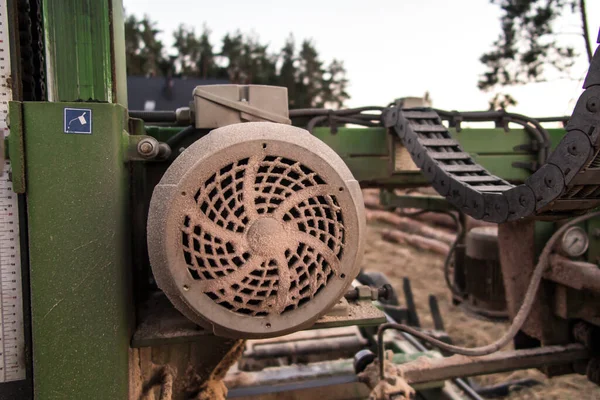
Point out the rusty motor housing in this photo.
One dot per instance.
(256, 230)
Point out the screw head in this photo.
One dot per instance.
(593, 104)
(523, 201)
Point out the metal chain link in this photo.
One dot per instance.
(568, 183)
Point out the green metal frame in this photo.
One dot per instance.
(367, 152)
(77, 198)
(77, 189)
(79, 61)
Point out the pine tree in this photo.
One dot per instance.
(528, 46)
(242, 59)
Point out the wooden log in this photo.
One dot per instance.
(371, 192)
(408, 225)
(373, 203)
(430, 218)
(420, 242)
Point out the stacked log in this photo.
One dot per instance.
(420, 242)
(427, 231)
(410, 226)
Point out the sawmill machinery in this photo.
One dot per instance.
(145, 254)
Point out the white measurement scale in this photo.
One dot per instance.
(12, 339)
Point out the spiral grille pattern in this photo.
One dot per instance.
(266, 237)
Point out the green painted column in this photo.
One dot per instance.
(79, 60)
(78, 224)
(77, 203)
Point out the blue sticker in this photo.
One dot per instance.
(78, 120)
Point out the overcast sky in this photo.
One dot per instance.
(391, 48)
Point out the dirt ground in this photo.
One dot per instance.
(425, 272)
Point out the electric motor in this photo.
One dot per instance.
(256, 230)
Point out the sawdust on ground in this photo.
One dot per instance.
(425, 273)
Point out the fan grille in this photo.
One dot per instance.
(266, 237)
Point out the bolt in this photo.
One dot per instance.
(145, 147)
(593, 104)
(385, 292)
(352, 294)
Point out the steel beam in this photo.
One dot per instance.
(440, 369)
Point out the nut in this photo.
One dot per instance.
(145, 147)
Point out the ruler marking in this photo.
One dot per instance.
(11, 297)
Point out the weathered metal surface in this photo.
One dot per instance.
(256, 230)
(79, 61)
(297, 373)
(574, 274)
(359, 313)
(517, 259)
(161, 324)
(309, 344)
(569, 303)
(483, 275)
(77, 198)
(517, 255)
(439, 369)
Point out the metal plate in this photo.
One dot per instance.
(162, 324)
(256, 230)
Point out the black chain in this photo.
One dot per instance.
(567, 183)
(31, 44)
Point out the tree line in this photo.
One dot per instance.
(530, 48)
(238, 58)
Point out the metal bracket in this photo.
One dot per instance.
(532, 147)
(455, 121)
(160, 323)
(144, 148)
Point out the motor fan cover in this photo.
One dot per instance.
(256, 230)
